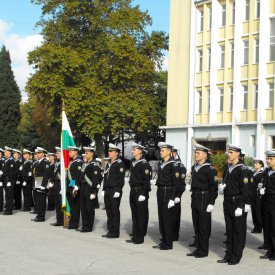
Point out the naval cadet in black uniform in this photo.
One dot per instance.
(166, 193)
(56, 189)
(74, 176)
(236, 200)
(34, 191)
(180, 171)
(140, 176)
(41, 179)
(9, 179)
(2, 160)
(204, 193)
(112, 191)
(27, 180)
(256, 197)
(268, 195)
(51, 158)
(18, 182)
(91, 176)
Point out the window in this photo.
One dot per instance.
(271, 95)
(252, 140)
(208, 101)
(256, 57)
(232, 54)
(272, 141)
(199, 102)
(221, 100)
(201, 20)
(233, 12)
(272, 39)
(210, 19)
(247, 9)
(222, 56)
(230, 99)
(200, 60)
(257, 8)
(223, 15)
(209, 59)
(255, 96)
(245, 97)
(246, 52)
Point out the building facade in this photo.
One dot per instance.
(221, 75)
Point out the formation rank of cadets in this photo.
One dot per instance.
(36, 178)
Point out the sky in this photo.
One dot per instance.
(19, 35)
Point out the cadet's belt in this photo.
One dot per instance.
(232, 197)
(136, 188)
(165, 187)
(200, 192)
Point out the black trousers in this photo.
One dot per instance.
(256, 213)
(41, 198)
(17, 196)
(166, 216)
(27, 195)
(235, 230)
(177, 219)
(269, 224)
(74, 203)
(87, 208)
(51, 204)
(9, 197)
(201, 222)
(34, 193)
(1, 198)
(265, 230)
(113, 213)
(139, 210)
(58, 204)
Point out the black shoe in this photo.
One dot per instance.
(192, 254)
(56, 224)
(130, 241)
(85, 230)
(157, 246)
(200, 256)
(7, 213)
(78, 229)
(139, 242)
(176, 239)
(192, 245)
(105, 236)
(272, 259)
(165, 247)
(71, 227)
(103, 208)
(233, 263)
(131, 235)
(37, 220)
(256, 231)
(223, 261)
(262, 247)
(263, 257)
(112, 236)
(33, 212)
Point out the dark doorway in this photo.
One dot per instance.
(217, 147)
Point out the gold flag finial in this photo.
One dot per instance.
(63, 105)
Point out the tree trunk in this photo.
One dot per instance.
(100, 150)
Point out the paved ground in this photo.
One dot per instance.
(38, 248)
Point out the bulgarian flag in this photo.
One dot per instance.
(66, 140)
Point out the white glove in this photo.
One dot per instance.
(238, 212)
(171, 204)
(141, 198)
(50, 185)
(221, 187)
(42, 188)
(1, 184)
(18, 182)
(187, 187)
(1, 172)
(177, 200)
(102, 193)
(210, 208)
(153, 182)
(24, 183)
(30, 174)
(116, 195)
(8, 184)
(76, 188)
(262, 191)
(260, 185)
(98, 186)
(92, 196)
(246, 208)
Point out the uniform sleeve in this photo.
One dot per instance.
(46, 174)
(27, 172)
(12, 174)
(147, 175)
(213, 185)
(78, 173)
(244, 187)
(93, 175)
(120, 177)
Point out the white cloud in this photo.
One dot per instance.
(19, 46)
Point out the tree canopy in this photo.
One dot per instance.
(98, 58)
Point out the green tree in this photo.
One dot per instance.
(29, 138)
(97, 58)
(10, 98)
